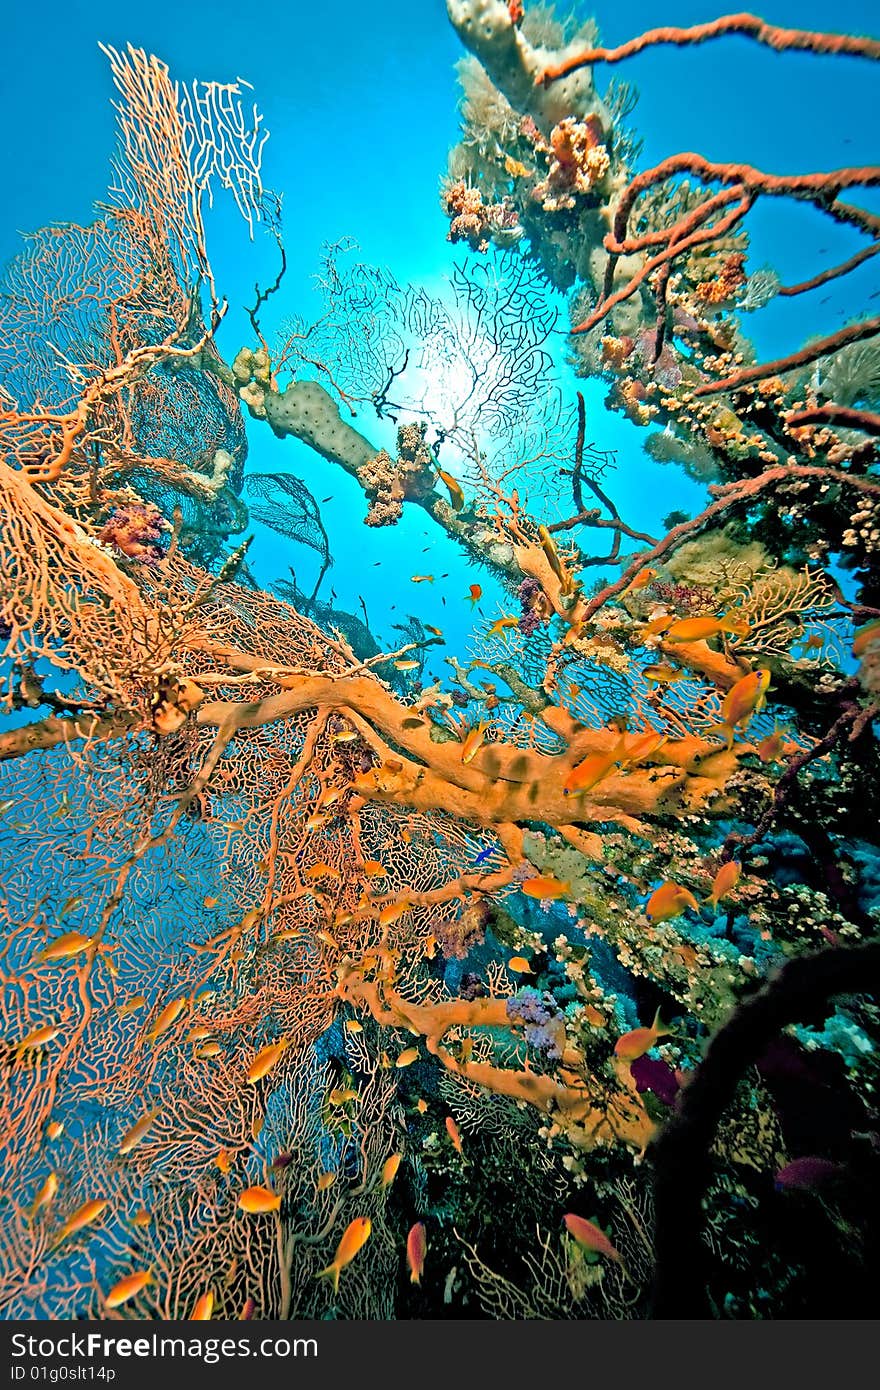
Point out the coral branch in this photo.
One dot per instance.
(748, 25)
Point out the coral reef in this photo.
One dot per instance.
(297, 947)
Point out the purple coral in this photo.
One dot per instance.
(137, 530)
(534, 611)
(539, 1014)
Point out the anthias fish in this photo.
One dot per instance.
(546, 888)
(634, 1044)
(266, 1059)
(127, 1288)
(416, 1249)
(258, 1200)
(668, 901)
(590, 1236)
(356, 1235)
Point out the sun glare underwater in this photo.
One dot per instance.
(440, 664)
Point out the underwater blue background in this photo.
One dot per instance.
(360, 101)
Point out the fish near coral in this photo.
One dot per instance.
(641, 581)
(700, 629)
(355, 1237)
(634, 1044)
(453, 1131)
(590, 771)
(416, 1249)
(546, 888)
(498, 627)
(742, 700)
(474, 594)
(590, 1237)
(554, 559)
(127, 1288)
(83, 1216)
(806, 1174)
(456, 496)
(166, 1018)
(389, 1170)
(267, 1058)
(724, 882)
(473, 742)
(202, 1308)
(258, 1200)
(662, 674)
(771, 748)
(63, 947)
(668, 901)
(137, 1131)
(407, 1057)
(44, 1196)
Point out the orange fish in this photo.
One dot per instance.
(223, 1161)
(137, 1001)
(473, 743)
(83, 1216)
(434, 631)
(423, 579)
(657, 624)
(45, 1194)
(324, 1181)
(407, 1057)
(554, 559)
(210, 903)
(745, 698)
(141, 1217)
(546, 887)
(498, 627)
(38, 1036)
(662, 674)
(389, 1170)
(475, 594)
(701, 629)
(456, 496)
(393, 912)
(770, 749)
(646, 743)
(137, 1131)
(634, 1044)
(127, 1288)
(421, 1106)
(453, 1131)
(407, 664)
(641, 581)
(725, 881)
(668, 901)
(166, 1018)
(54, 1129)
(416, 1248)
(356, 1235)
(590, 771)
(374, 869)
(352, 1026)
(258, 1200)
(70, 944)
(590, 1237)
(203, 1308)
(321, 870)
(519, 965)
(267, 1058)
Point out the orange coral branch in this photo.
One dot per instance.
(822, 347)
(749, 25)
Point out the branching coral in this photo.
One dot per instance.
(269, 917)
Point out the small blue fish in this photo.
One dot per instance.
(483, 855)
